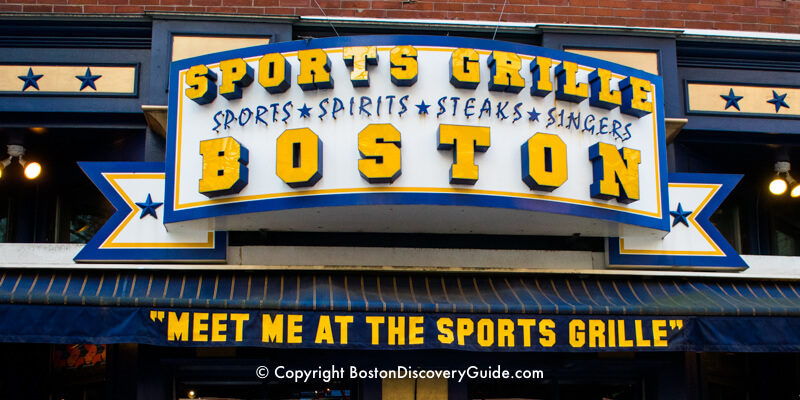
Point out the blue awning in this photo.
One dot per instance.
(403, 292)
(160, 307)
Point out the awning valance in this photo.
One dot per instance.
(373, 310)
(403, 292)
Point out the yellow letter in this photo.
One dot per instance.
(540, 69)
(526, 325)
(602, 96)
(640, 340)
(358, 58)
(404, 65)
(178, 327)
(379, 146)
(239, 321)
(634, 97)
(623, 342)
(324, 330)
(294, 332)
(315, 70)
(445, 326)
(236, 74)
(299, 158)
(218, 328)
(505, 72)
(597, 330)
(376, 322)
(610, 166)
(577, 337)
(505, 332)
(548, 338)
(544, 162)
(198, 326)
(397, 330)
(272, 330)
(415, 330)
(485, 332)
(274, 73)
(464, 70)
(660, 333)
(343, 320)
(612, 336)
(465, 328)
(568, 88)
(466, 140)
(224, 167)
(202, 88)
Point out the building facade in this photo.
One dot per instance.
(183, 240)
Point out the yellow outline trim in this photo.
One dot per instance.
(109, 242)
(718, 252)
(401, 190)
(179, 206)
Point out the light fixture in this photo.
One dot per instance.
(3, 165)
(783, 180)
(32, 170)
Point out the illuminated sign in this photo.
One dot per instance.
(411, 134)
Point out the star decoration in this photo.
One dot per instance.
(680, 216)
(534, 116)
(778, 101)
(305, 111)
(30, 80)
(423, 108)
(148, 207)
(732, 100)
(88, 79)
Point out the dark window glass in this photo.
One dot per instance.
(80, 214)
(4, 212)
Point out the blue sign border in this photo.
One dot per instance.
(92, 252)
(731, 259)
(172, 215)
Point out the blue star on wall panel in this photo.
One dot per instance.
(136, 231)
(692, 241)
(68, 80)
(745, 100)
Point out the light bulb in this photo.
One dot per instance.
(778, 186)
(33, 169)
(795, 190)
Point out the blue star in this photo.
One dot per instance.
(778, 101)
(148, 207)
(423, 108)
(30, 80)
(680, 216)
(305, 112)
(88, 79)
(732, 100)
(534, 116)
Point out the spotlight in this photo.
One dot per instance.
(778, 186)
(4, 164)
(31, 169)
(783, 180)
